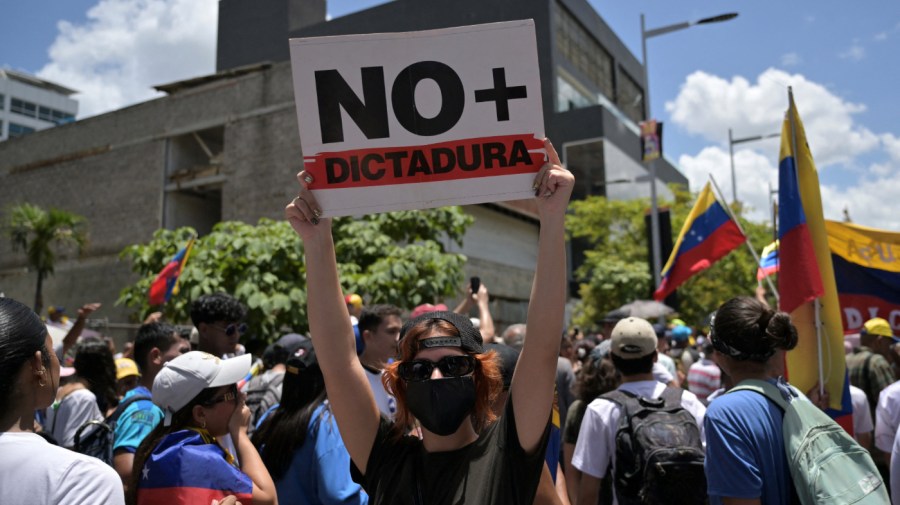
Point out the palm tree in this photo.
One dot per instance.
(37, 232)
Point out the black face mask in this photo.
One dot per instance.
(441, 405)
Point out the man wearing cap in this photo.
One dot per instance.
(868, 367)
(154, 345)
(127, 376)
(379, 327)
(887, 411)
(633, 352)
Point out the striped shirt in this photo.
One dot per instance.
(704, 377)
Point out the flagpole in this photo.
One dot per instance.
(817, 304)
(718, 192)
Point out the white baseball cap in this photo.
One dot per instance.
(183, 378)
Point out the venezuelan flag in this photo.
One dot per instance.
(188, 467)
(768, 261)
(806, 272)
(707, 235)
(867, 272)
(166, 281)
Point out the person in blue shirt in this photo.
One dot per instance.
(155, 344)
(745, 458)
(299, 441)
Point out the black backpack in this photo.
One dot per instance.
(659, 454)
(96, 438)
(261, 396)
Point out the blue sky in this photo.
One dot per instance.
(841, 58)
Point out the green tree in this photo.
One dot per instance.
(615, 269)
(396, 258)
(38, 232)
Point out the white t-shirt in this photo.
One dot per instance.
(596, 446)
(33, 471)
(386, 403)
(887, 417)
(63, 420)
(895, 470)
(862, 416)
(666, 361)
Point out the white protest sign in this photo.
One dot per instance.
(396, 121)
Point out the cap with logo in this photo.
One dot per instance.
(633, 338)
(469, 338)
(126, 367)
(183, 378)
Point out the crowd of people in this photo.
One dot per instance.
(425, 405)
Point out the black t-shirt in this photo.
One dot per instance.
(493, 469)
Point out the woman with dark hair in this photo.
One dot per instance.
(443, 380)
(745, 458)
(32, 470)
(597, 376)
(181, 461)
(300, 443)
(88, 395)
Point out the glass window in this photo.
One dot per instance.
(45, 113)
(583, 51)
(17, 130)
(630, 97)
(569, 97)
(2, 105)
(22, 107)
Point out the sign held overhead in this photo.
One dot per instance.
(397, 121)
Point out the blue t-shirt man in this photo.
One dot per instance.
(136, 422)
(745, 456)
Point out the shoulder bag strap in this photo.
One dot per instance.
(764, 388)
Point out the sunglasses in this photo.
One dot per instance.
(230, 396)
(417, 370)
(232, 328)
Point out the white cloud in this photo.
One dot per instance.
(791, 59)
(753, 174)
(708, 105)
(867, 202)
(892, 146)
(127, 46)
(855, 52)
(881, 36)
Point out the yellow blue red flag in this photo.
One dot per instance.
(867, 272)
(707, 235)
(166, 282)
(806, 272)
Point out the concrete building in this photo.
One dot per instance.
(29, 104)
(225, 146)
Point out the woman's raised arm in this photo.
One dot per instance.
(532, 386)
(348, 388)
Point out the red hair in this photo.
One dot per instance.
(488, 380)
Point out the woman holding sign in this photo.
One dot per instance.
(443, 379)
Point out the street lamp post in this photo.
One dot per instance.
(654, 203)
(731, 142)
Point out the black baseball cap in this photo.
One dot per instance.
(469, 337)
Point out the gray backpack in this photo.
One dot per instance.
(827, 465)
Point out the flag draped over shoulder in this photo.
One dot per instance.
(867, 272)
(768, 261)
(806, 271)
(707, 235)
(189, 467)
(166, 281)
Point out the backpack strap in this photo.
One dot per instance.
(124, 405)
(764, 388)
(672, 397)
